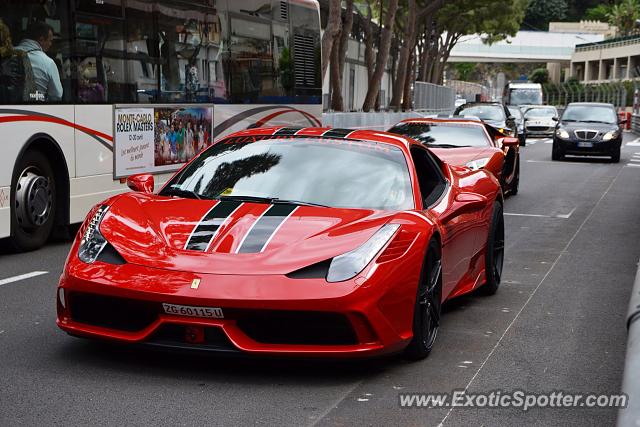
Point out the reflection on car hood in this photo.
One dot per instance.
(462, 155)
(247, 238)
(601, 127)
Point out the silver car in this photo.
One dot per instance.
(540, 120)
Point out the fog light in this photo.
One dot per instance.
(61, 297)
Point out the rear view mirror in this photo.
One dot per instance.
(142, 182)
(509, 141)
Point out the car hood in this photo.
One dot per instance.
(462, 155)
(600, 127)
(154, 231)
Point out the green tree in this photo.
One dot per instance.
(599, 13)
(464, 70)
(539, 75)
(624, 15)
(541, 12)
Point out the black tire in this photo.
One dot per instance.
(556, 153)
(615, 156)
(33, 202)
(426, 312)
(494, 258)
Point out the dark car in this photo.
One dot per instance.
(588, 128)
(492, 113)
(517, 115)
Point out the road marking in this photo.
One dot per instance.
(562, 216)
(548, 141)
(565, 162)
(634, 143)
(22, 277)
(555, 262)
(633, 164)
(634, 160)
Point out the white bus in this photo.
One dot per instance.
(522, 93)
(145, 86)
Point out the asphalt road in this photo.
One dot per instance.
(557, 323)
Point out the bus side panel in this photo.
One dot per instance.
(232, 118)
(18, 125)
(94, 160)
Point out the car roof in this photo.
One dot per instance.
(326, 132)
(482, 103)
(461, 120)
(593, 104)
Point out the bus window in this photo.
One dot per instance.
(306, 51)
(102, 7)
(36, 51)
(258, 62)
(101, 67)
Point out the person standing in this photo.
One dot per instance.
(38, 40)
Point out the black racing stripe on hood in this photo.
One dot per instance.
(286, 131)
(265, 227)
(208, 226)
(337, 133)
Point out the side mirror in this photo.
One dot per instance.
(622, 122)
(465, 203)
(508, 141)
(142, 182)
(554, 118)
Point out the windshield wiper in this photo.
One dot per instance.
(172, 191)
(271, 200)
(596, 121)
(447, 145)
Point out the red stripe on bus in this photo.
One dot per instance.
(266, 119)
(5, 119)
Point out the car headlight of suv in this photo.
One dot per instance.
(561, 133)
(345, 266)
(93, 242)
(478, 163)
(610, 135)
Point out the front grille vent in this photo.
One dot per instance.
(586, 134)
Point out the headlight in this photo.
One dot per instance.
(561, 133)
(478, 163)
(346, 266)
(93, 241)
(610, 135)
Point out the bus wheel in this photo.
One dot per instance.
(33, 202)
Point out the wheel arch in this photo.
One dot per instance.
(48, 146)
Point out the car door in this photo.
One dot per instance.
(459, 237)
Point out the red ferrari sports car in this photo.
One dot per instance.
(468, 142)
(317, 242)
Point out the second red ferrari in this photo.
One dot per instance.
(322, 242)
(468, 142)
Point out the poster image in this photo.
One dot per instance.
(160, 138)
(181, 133)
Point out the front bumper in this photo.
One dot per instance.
(268, 314)
(598, 148)
(540, 130)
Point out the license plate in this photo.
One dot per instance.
(188, 310)
(584, 144)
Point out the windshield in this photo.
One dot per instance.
(543, 112)
(338, 173)
(515, 112)
(483, 112)
(590, 113)
(447, 134)
(525, 96)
